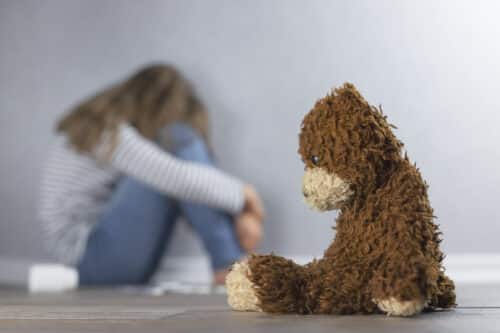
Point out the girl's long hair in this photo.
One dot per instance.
(148, 100)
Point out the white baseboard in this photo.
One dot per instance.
(463, 268)
(474, 268)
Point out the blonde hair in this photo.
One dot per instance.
(151, 98)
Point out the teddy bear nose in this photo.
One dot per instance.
(305, 193)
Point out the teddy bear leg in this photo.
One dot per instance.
(240, 290)
(265, 283)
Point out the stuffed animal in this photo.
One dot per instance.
(385, 256)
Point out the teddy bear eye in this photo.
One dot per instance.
(315, 160)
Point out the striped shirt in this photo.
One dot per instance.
(76, 187)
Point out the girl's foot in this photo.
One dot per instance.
(220, 276)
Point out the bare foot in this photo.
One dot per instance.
(220, 276)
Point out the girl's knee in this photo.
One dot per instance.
(176, 135)
(182, 132)
(185, 143)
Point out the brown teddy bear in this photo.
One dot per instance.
(385, 256)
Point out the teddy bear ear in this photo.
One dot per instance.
(375, 131)
(349, 98)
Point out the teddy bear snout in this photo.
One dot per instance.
(323, 190)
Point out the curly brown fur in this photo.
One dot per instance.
(385, 256)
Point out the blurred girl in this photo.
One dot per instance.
(127, 163)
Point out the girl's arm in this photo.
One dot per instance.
(140, 158)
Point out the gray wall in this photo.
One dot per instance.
(260, 65)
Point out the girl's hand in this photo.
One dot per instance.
(249, 231)
(253, 204)
(249, 222)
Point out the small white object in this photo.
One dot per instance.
(51, 278)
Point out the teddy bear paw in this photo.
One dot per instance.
(240, 290)
(394, 307)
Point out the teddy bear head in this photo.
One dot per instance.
(348, 148)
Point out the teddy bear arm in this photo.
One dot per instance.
(403, 287)
(445, 296)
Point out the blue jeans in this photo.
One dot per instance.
(128, 242)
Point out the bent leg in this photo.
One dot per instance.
(214, 227)
(128, 241)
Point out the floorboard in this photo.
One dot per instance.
(110, 310)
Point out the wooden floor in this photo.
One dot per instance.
(119, 311)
